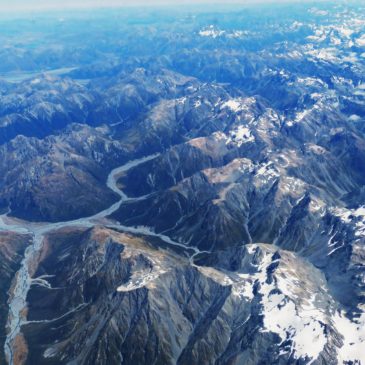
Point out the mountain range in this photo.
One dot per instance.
(183, 186)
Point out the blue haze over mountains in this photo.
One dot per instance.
(183, 185)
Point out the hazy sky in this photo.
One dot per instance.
(16, 5)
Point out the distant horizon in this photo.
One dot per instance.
(42, 5)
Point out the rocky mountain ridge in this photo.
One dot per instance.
(196, 202)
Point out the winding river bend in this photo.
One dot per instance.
(23, 281)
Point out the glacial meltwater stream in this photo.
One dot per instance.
(23, 280)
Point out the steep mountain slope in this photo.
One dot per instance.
(60, 177)
(128, 294)
(197, 201)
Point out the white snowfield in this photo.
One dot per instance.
(292, 309)
(353, 215)
(213, 32)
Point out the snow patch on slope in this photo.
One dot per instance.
(288, 309)
(239, 104)
(301, 324)
(211, 31)
(240, 136)
(353, 216)
(354, 338)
